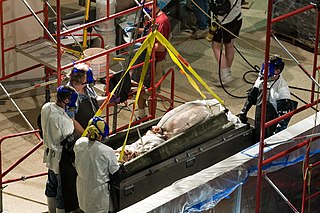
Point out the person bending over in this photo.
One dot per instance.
(278, 98)
(94, 162)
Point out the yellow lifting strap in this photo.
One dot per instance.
(144, 69)
(177, 59)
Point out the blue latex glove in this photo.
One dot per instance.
(129, 29)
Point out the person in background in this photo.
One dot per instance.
(278, 98)
(202, 19)
(228, 14)
(57, 128)
(94, 162)
(81, 79)
(163, 26)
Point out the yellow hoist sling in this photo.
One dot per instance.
(177, 59)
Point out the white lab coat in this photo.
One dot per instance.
(94, 162)
(56, 126)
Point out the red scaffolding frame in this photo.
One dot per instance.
(59, 67)
(302, 145)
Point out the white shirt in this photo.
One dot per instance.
(56, 126)
(94, 162)
(236, 10)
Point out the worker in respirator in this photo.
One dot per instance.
(278, 98)
(57, 128)
(94, 162)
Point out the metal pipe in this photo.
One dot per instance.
(281, 154)
(172, 88)
(315, 53)
(25, 177)
(35, 148)
(21, 17)
(313, 195)
(292, 13)
(153, 100)
(113, 16)
(54, 12)
(304, 137)
(291, 113)
(30, 88)
(281, 195)
(59, 49)
(315, 164)
(298, 63)
(2, 41)
(144, 11)
(133, 123)
(237, 208)
(263, 108)
(306, 174)
(1, 173)
(14, 103)
(39, 21)
(114, 120)
(21, 71)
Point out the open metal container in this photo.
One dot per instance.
(203, 145)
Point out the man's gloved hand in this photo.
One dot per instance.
(243, 118)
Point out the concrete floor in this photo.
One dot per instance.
(28, 196)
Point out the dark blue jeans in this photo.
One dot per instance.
(202, 19)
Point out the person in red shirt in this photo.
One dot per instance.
(163, 26)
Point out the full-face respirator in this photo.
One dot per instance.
(64, 93)
(275, 63)
(83, 68)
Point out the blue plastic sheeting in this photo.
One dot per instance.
(211, 202)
